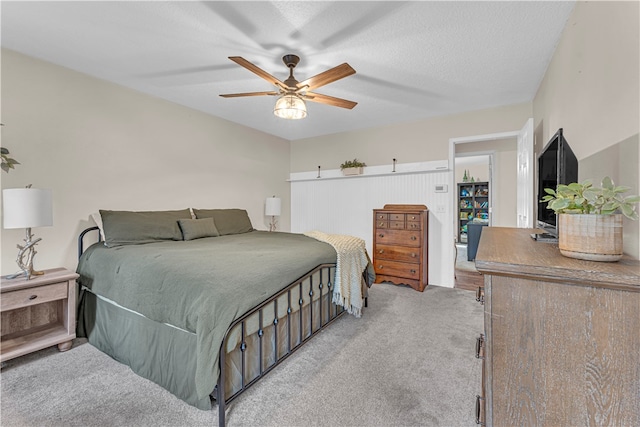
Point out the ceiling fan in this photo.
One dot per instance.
(292, 94)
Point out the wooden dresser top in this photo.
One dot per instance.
(512, 252)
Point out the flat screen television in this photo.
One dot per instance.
(556, 165)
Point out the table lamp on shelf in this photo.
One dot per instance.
(273, 208)
(26, 208)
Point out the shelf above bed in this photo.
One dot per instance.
(381, 170)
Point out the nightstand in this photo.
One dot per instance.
(38, 313)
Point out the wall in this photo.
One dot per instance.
(422, 141)
(591, 89)
(504, 188)
(101, 146)
(419, 141)
(479, 171)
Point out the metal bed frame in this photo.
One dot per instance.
(304, 285)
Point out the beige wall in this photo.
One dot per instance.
(591, 89)
(101, 146)
(409, 142)
(503, 187)
(591, 85)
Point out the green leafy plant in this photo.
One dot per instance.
(7, 162)
(584, 198)
(355, 163)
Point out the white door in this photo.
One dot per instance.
(525, 185)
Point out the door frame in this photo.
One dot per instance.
(525, 150)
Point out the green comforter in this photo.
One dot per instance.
(201, 285)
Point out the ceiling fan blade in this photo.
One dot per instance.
(326, 77)
(236, 95)
(329, 100)
(258, 71)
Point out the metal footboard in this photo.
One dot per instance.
(307, 310)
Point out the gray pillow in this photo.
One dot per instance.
(130, 228)
(228, 221)
(198, 228)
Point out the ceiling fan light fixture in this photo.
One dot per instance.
(291, 107)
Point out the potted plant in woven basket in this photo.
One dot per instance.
(590, 218)
(352, 167)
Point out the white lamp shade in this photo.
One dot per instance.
(27, 207)
(273, 206)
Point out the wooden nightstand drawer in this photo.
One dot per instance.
(32, 296)
(397, 253)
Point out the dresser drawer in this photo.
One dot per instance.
(396, 217)
(381, 216)
(413, 217)
(381, 223)
(414, 225)
(32, 296)
(397, 253)
(398, 237)
(398, 269)
(396, 225)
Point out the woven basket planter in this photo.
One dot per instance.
(590, 237)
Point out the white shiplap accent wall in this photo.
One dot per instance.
(345, 206)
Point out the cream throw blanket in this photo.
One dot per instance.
(351, 263)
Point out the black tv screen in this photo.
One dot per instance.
(556, 165)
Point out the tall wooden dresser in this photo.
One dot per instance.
(561, 336)
(400, 245)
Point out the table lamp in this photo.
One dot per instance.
(26, 208)
(273, 208)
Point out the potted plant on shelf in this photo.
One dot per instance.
(352, 167)
(590, 218)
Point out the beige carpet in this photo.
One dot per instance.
(409, 361)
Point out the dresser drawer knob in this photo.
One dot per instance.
(381, 224)
(380, 235)
(413, 217)
(414, 238)
(32, 297)
(412, 271)
(380, 267)
(413, 255)
(381, 251)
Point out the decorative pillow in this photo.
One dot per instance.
(130, 228)
(227, 221)
(198, 228)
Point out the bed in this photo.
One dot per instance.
(201, 303)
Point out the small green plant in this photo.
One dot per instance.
(355, 163)
(7, 162)
(584, 198)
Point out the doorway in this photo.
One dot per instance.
(510, 176)
(473, 177)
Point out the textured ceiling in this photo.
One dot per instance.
(413, 60)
